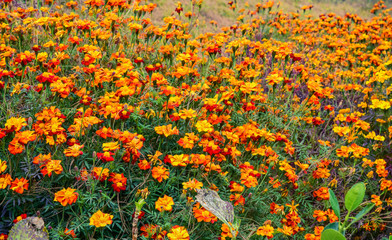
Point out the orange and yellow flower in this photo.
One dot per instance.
(19, 185)
(164, 203)
(178, 233)
(66, 196)
(100, 219)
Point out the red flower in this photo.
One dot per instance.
(105, 157)
(20, 218)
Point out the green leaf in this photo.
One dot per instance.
(354, 196)
(334, 226)
(363, 212)
(330, 234)
(334, 203)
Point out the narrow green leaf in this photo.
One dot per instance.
(354, 196)
(334, 203)
(363, 212)
(331, 234)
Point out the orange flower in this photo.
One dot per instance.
(144, 165)
(266, 230)
(74, 150)
(66, 196)
(20, 218)
(376, 200)
(188, 141)
(204, 126)
(178, 233)
(3, 166)
(100, 219)
(69, 232)
(5, 180)
(166, 130)
(178, 160)
(15, 147)
(110, 146)
(236, 187)
(15, 124)
(238, 198)
(25, 137)
(119, 181)
(100, 173)
(320, 215)
(192, 184)
(202, 214)
(42, 159)
(105, 132)
(164, 204)
(19, 185)
(321, 194)
(160, 173)
(51, 166)
(344, 151)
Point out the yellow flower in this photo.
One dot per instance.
(192, 184)
(178, 233)
(3, 166)
(110, 146)
(164, 204)
(266, 230)
(42, 56)
(100, 219)
(66, 196)
(204, 126)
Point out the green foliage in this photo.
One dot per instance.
(330, 234)
(354, 196)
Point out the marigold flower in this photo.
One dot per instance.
(100, 219)
(202, 214)
(51, 166)
(166, 130)
(20, 218)
(266, 230)
(100, 173)
(164, 203)
(178, 160)
(19, 185)
(74, 151)
(160, 173)
(5, 180)
(376, 200)
(105, 132)
(119, 181)
(70, 232)
(238, 199)
(15, 147)
(204, 126)
(66, 196)
(320, 215)
(178, 233)
(321, 194)
(144, 165)
(192, 184)
(106, 156)
(110, 146)
(3, 166)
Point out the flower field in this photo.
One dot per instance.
(114, 127)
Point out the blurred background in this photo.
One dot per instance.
(220, 12)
